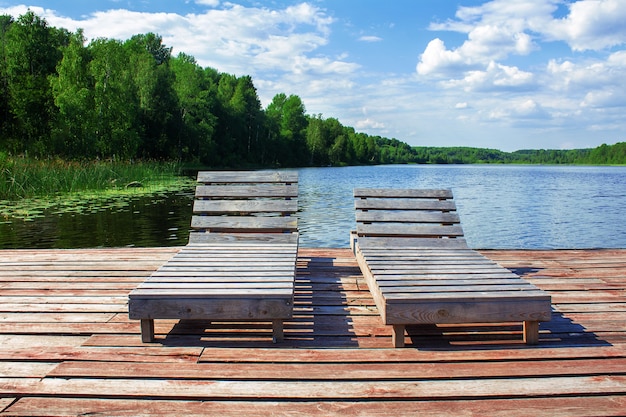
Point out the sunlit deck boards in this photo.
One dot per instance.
(68, 347)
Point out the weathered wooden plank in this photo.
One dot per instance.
(274, 390)
(198, 291)
(390, 243)
(415, 193)
(233, 277)
(403, 204)
(201, 238)
(406, 217)
(390, 229)
(39, 340)
(245, 206)
(468, 289)
(246, 191)
(247, 177)
(65, 308)
(52, 300)
(17, 369)
(605, 405)
(227, 305)
(55, 317)
(243, 223)
(103, 355)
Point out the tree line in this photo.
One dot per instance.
(601, 155)
(111, 99)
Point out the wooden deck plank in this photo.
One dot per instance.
(372, 371)
(315, 390)
(606, 405)
(72, 348)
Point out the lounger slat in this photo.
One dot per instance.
(447, 282)
(228, 258)
(406, 217)
(221, 278)
(236, 223)
(403, 204)
(244, 206)
(393, 262)
(257, 286)
(247, 177)
(415, 193)
(411, 243)
(201, 238)
(408, 231)
(421, 271)
(247, 191)
(469, 291)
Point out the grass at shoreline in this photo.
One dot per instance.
(30, 187)
(23, 178)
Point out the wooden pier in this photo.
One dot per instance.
(67, 346)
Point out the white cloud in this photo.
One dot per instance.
(210, 3)
(370, 39)
(369, 124)
(437, 59)
(591, 24)
(579, 93)
(496, 77)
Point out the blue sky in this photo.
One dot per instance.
(523, 74)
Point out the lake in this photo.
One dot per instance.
(501, 206)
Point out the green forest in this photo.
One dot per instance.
(129, 100)
(67, 98)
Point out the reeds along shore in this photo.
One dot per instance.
(22, 177)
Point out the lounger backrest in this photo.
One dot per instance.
(416, 216)
(244, 203)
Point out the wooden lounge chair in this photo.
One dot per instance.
(410, 247)
(239, 264)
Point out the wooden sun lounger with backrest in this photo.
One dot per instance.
(410, 247)
(239, 264)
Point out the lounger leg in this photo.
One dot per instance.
(277, 331)
(397, 335)
(147, 330)
(531, 332)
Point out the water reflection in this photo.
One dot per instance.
(526, 207)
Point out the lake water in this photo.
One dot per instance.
(501, 206)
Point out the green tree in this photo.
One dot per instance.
(5, 114)
(158, 113)
(115, 102)
(287, 116)
(32, 53)
(196, 93)
(316, 140)
(73, 90)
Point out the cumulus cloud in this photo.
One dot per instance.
(505, 89)
(437, 59)
(231, 38)
(499, 29)
(496, 77)
(591, 25)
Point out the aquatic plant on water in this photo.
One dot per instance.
(31, 188)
